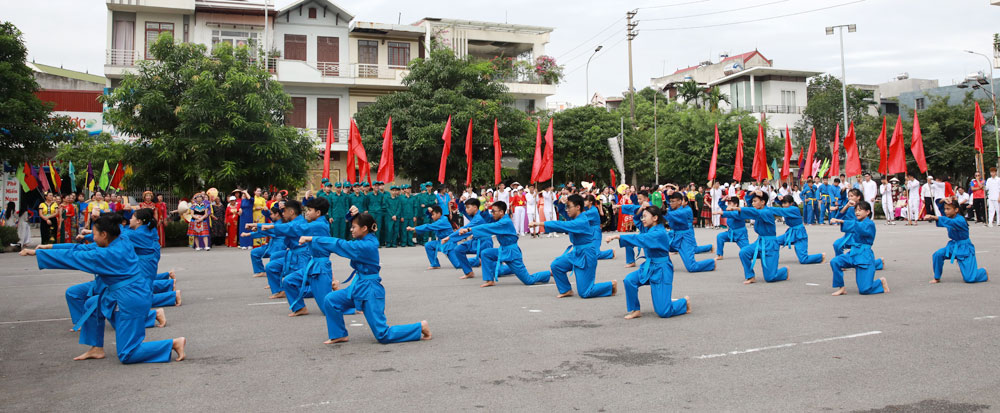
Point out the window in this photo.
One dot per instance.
(920, 103)
(297, 117)
(788, 100)
(328, 55)
(361, 105)
(399, 54)
(368, 58)
(153, 31)
(295, 47)
(327, 110)
(312, 12)
(236, 39)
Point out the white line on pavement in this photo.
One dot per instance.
(269, 303)
(33, 321)
(812, 284)
(786, 345)
(985, 317)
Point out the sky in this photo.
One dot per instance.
(923, 38)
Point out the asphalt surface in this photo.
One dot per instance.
(787, 346)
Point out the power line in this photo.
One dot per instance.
(718, 12)
(592, 37)
(599, 54)
(755, 20)
(672, 5)
(612, 35)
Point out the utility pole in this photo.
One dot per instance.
(631, 33)
(656, 146)
(622, 134)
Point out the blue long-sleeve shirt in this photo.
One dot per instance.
(680, 219)
(734, 221)
(958, 227)
(441, 228)
(764, 218)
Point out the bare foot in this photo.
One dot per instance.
(177, 302)
(488, 284)
(172, 275)
(883, 262)
(750, 281)
(178, 347)
(565, 294)
(987, 275)
(425, 333)
(433, 268)
(280, 294)
(712, 249)
(343, 339)
(935, 281)
(302, 311)
(614, 287)
(885, 286)
(632, 265)
(633, 314)
(93, 353)
(840, 291)
(687, 304)
(161, 318)
(718, 258)
(613, 254)
(822, 260)
(467, 276)
(258, 275)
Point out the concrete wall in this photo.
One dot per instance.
(320, 26)
(312, 93)
(898, 87)
(53, 82)
(908, 100)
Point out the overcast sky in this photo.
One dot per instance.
(922, 37)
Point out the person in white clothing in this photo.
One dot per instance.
(937, 189)
(870, 189)
(912, 200)
(502, 194)
(887, 205)
(797, 195)
(531, 202)
(716, 194)
(993, 198)
(964, 202)
(549, 208)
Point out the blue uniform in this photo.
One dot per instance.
(737, 232)
(959, 248)
(766, 248)
(457, 253)
(594, 216)
(860, 258)
(809, 196)
(683, 240)
(366, 293)
(634, 211)
(121, 294)
(508, 253)
(656, 271)
(847, 241)
(301, 269)
(581, 257)
(146, 242)
(796, 236)
(276, 250)
(440, 228)
(826, 200)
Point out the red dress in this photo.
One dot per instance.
(232, 222)
(161, 222)
(624, 220)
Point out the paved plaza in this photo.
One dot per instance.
(787, 346)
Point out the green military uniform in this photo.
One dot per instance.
(377, 207)
(392, 218)
(340, 205)
(327, 194)
(423, 201)
(407, 213)
(357, 199)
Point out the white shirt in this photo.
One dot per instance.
(549, 197)
(870, 190)
(530, 199)
(469, 195)
(886, 190)
(503, 195)
(993, 188)
(731, 192)
(716, 194)
(783, 191)
(963, 199)
(938, 189)
(914, 187)
(925, 190)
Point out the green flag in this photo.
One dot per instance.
(72, 177)
(20, 178)
(103, 183)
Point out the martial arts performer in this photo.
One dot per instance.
(440, 226)
(593, 214)
(508, 255)
(277, 249)
(366, 293)
(257, 255)
(635, 210)
(458, 252)
(736, 231)
(766, 247)
(959, 246)
(809, 195)
(860, 257)
(796, 234)
(656, 271)
(122, 294)
(581, 256)
(846, 217)
(679, 218)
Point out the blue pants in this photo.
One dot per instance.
(130, 328)
(807, 212)
(162, 286)
(840, 245)
(458, 257)
(273, 269)
(257, 256)
(431, 249)
(662, 303)
(768, 264)
(722, 238)
(162, 276)
(630, 254)
(971, 273)
(319, 285)
(167, 299)
(337, 303)
(687, 249)
(605, 254)
(489, 258)
(824, 212)
(585, 285)
(864, 274)
(802, 251)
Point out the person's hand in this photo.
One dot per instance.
(410, 229)
(930, 218)
(836, 221)
(44, 247)
(464, 231)
(354, 210)
(252, 226)
(716, 212)
(27, 252)
(851, 203)
(334, 285)
(445, 240)
(245, 234)
(86, 231)
(240, 212)
(331, 220)
(393, 217)
(608, 239)
(304, 239)
(732, 208)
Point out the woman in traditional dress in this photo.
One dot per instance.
(232, 222)
(198, 227)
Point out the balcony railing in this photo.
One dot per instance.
(377, 71)
(319, 135)
(121, 57)
(330, 69)
(782, 109)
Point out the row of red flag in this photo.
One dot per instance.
(541, 167)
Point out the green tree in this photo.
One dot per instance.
(691, 93)
(207, 120)
(438, 87)
(28, 131)
(713, 97)
(825, 110)
(581, 148)
(83, 148)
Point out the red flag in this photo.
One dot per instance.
(835, 162)
(446, 137)
(29, 178)
(759, 170)
(977, 123)
(809, 172)
(715, 155)
(116, 178)
(787, 165)
(350, 154)
(42, 180)
(883, 151)
(356, 149)
(897, 155)
(386, 164)
(56, 179)
(536, 163)
(738, 166)
(326, 148)
(917, 144)
(852, 165)
(497, 153)
(612, 178)
(545, 172)
(468, 155)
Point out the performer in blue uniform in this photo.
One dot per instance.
(366, 293)
(257, 255)
(679, 217)
(590, 210)
(826, 195)
(860, 257)
(959, 246)
(121, 295)
(458, 253)
(736, 231)
(809, 197)
(766, 247)
(277, 249)
(581, 256)
(846, 215)
(635, 210)
(796, 234)
(440, 226)
(656, 271)
(507, 258)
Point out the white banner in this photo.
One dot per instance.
(92, 122)
(616, 155)
(11, 191)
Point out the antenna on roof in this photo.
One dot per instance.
(399, 19)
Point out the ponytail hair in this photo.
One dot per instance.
(146, 216)
(365, 220)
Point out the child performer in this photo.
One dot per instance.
(367, 293)
(656, 271)
(679, 218)
(271, 249)
(959, 246)
(508, 253)
(635, 210)
(439, 226)
(766, 247)
(737, 231)
(796, 233)
(458, 254)
(860, 257)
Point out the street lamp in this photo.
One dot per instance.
(851, 28)
(993, 97)
(597, 49)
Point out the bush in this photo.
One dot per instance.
(8, 235)
(176, 234)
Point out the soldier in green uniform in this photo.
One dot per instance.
(356, 200)
(339, 205)
(406, 218)
(425, 199)
(377, 208)
(393, 217)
